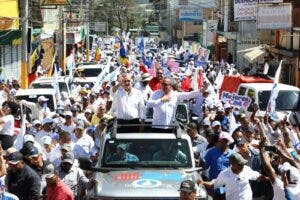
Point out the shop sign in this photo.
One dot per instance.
(191, 15)
(274, 16)
(245, 10)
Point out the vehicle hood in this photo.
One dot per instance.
(146, 183)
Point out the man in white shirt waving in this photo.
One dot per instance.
(164, 103)
(128, 104)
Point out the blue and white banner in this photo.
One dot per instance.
(191, 15)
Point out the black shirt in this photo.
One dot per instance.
(26, 184)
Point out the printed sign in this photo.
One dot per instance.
(146, 183)
(245, 10)
(235, 99)
(274, 16)
(128, 176)
(203, 55)
(191, 15)
(174, 66)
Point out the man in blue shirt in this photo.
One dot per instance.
(217, 158)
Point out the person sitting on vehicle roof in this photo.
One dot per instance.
(122, 155)
(39, 110)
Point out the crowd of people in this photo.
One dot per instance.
(243, 157)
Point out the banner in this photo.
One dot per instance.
(274, 16)
(270, 1)
(203, 55)
(245, 10)
(191, 15)
(174, 66)
(235, 99)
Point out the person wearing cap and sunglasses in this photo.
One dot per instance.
(187, 190)
(143, 86)
(68, 125)
(72, 175)
(56, 188)
(235, 179)
(217, 159)
(22, 181)
(46, 130)
(83, 143)
(39, 110)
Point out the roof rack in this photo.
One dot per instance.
(113, 128)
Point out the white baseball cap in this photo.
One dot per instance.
(35, 122)
(42, 98)
(28, 138)
(215, 123)
(47, 120)
(47, 139)
(224, 135)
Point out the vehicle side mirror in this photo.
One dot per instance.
(85, 163)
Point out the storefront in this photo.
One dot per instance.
(10, 53)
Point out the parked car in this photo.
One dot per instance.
(47, 82)
(87, 73)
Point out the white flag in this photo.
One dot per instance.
(274, 93)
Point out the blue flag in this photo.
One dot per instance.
(141, 46)
(122, 50)
(144, 59)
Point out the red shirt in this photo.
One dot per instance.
(186, 84)
(60, 192)
(155, 84)
(143, 69)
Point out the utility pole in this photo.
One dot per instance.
(88, 41)
(24, 56)
(87, 24)
(61, 47)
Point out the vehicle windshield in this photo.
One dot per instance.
(147, 153)
(88, 72)
(62, 86)
(286, 100)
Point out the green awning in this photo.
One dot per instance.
(11, 37)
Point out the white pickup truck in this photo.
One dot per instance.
(287, 101)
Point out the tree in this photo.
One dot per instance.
(121, 12)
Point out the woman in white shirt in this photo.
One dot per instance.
(7, 121)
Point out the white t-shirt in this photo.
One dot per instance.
(8, 128)
(69, 129)
(237, 185)
(278, 188)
